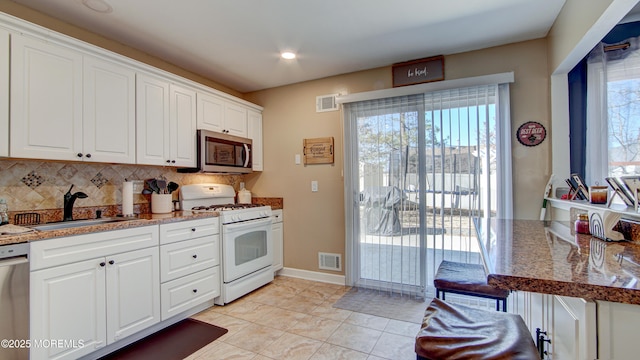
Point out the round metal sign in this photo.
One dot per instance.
(531, 133)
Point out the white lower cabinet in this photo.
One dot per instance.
(109, 289)
(189, 265)
(277, 235)
(568, 324)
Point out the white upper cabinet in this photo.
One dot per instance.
(66, 106)
(166, 123)
(46, 100)
(152, 120)
(4, 92)
(254, 121)
(217, 114)
(109, 121)
(182, 133)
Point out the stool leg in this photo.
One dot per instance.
(438, 293)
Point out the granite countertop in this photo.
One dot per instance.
(547, 257)
(140, 220)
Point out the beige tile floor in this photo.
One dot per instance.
(294, 319)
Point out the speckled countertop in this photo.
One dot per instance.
(546, 257)
(140, 220)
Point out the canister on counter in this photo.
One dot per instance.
(598, 194)
(582, 224)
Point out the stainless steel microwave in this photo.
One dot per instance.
(222, 153)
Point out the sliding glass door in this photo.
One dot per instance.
(420, 167)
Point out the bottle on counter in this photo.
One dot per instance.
(4, 212)
(244, 195)
(582, 224)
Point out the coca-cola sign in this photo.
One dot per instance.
(531, 133)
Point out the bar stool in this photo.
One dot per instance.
(467, 279)
(457, 332)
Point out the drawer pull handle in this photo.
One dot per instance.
(103, 264)
(195, 256)
(111, 262)
(195, 291)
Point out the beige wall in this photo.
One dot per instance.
(315, 221)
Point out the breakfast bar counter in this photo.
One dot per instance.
(547, 257)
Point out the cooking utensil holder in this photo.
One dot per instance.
(161, 203)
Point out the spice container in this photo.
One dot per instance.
(582, 224)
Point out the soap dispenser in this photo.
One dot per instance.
(244, 195)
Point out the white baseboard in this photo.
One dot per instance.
(312, 275)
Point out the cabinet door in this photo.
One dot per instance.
(235, 120)
(68, 302)
(210, 112)
(152, 120)
(277, 236)
(46, 100)
(133, 292)
(109, 123)
(574, 334)
(255, 134)
(4, 92)
(182, 126)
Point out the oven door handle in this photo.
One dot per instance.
(246, 224)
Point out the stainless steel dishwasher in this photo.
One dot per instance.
(14, 301)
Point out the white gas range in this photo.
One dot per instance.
(245, 230)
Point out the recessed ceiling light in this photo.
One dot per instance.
(100, 6)
(288, 55)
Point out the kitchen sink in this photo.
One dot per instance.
(78, 223)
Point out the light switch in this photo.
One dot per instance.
(314, 186)
(297, 159)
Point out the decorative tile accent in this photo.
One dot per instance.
(32, 180)
(99, 181)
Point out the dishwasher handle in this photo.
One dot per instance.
(14, 261)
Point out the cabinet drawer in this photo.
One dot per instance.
(186, 257)
(186, 292)
(67, 250)
(186, 230)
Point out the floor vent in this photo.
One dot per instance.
(330, 261)
(326, 103)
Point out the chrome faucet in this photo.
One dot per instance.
(69, 199)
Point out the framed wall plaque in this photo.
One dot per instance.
(318, 150)
(418, 71)
(531, 133)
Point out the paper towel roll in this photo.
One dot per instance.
(127, 198)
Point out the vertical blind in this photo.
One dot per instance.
(417, 169)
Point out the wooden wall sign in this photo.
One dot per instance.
(418, 71)
(318, 150)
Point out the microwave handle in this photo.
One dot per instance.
(246, 151)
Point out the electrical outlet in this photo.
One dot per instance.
(138, 186)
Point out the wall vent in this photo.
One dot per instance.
(330, 261)
(326, 103)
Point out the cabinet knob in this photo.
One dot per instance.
(88, 155)
(195, 256)
(193, 229)
(79, 155)
(195, 291)
(103, 264)
(111, 262)
(168, 161)
(173, 161)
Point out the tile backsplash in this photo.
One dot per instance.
(40, 185)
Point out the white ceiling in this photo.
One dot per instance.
(237, 42)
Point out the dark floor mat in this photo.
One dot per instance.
(174, 342)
